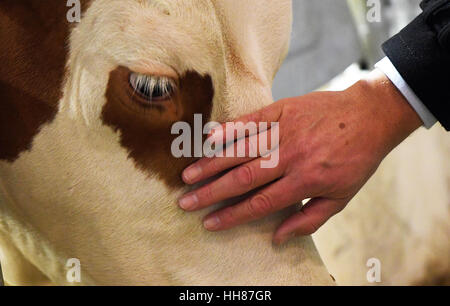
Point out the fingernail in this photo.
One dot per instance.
(188, 202)
(212, 223)
(191, 173)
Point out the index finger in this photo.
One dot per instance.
(247, 125)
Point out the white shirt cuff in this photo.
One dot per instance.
(386, 66)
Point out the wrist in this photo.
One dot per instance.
(392, 115)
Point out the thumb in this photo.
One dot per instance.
(309, 219)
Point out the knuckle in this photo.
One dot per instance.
(301, 150)
(310, 227)
(263, 117)
(207, 193)
(252, 147)
(259, 205)
(240, 147)
(214, 165)
(256, 117)
(228, 216)
(244, 176)
(312, 180)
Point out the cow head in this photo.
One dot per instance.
(88, 173)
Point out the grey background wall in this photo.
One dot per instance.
(330, 35)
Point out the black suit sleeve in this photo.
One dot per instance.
(421, 54)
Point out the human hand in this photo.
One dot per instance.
(330, 144)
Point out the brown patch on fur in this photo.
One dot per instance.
(33, 51)
(21, 115)
(146, 131)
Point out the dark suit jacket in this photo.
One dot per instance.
(421, 54)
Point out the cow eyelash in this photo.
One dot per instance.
(152, 88)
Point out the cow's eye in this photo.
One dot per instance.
(152, 88)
